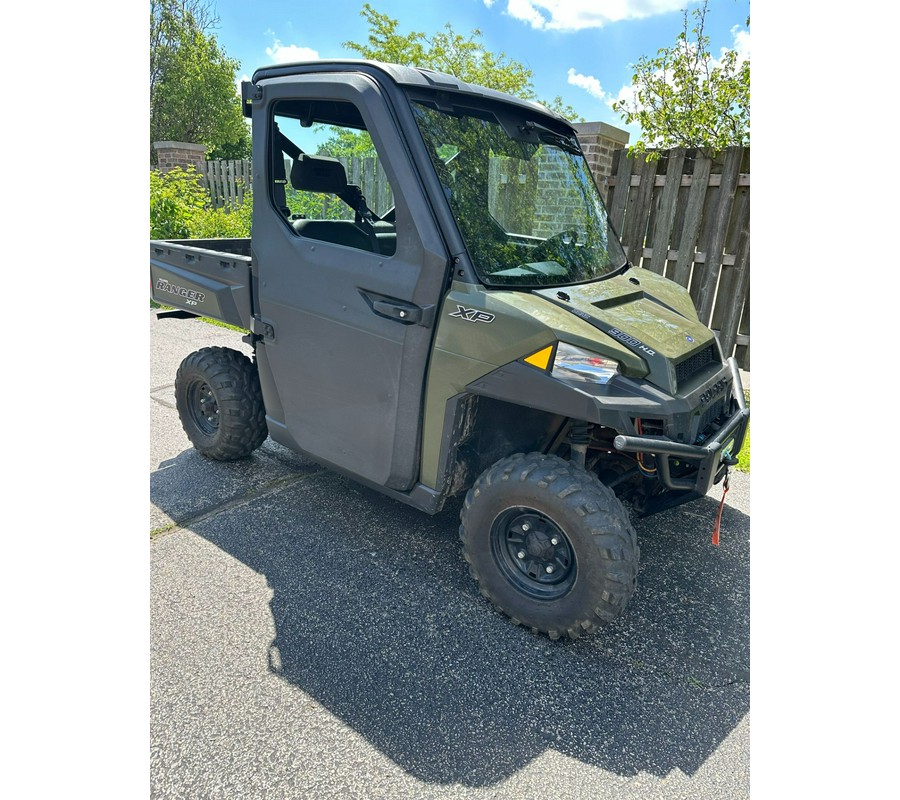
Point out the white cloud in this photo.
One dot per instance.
(587, 82)
(489, 3)
(575, 15)
(525, 11)
(287, 53)
(627, 95)
(741, 44)
(237, 84)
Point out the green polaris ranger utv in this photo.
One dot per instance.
(467, 325)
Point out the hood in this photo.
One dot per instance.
(651, 315)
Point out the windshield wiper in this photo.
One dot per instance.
(570, 145)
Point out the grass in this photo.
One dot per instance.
(210, 320)
(743, 464)
(224, 325)
(163, 529)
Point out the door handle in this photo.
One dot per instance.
(399, 310)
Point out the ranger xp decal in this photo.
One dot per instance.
(192, 296)
(472, 314)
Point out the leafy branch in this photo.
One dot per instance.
(684, 97)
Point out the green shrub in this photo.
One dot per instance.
(175, 197)
(316, 206)
(230, 222)
(180, 208)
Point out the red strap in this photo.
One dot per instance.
(717, 527)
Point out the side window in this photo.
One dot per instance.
(327, 179)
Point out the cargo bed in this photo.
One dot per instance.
(206, 277)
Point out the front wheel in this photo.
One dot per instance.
(550, 546)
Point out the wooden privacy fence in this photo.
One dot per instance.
(369, 175)
(687, 216)
(228, 180)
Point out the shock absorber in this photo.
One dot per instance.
(579, 438)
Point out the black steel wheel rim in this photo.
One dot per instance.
(533, 553)
(203, 407)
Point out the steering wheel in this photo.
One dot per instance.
(558, 242)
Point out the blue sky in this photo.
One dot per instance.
(580, 50)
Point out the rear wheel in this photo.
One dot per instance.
(549, 545)
(220, 403)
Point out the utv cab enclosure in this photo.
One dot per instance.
(438, 306)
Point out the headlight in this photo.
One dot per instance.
(574, 364)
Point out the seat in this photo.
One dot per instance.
(336, 231)
(327, 175)
(318, 174)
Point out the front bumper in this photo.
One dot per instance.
(711, 459)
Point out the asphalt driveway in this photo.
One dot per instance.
(311, 638)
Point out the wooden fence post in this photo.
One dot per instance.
(666, 213)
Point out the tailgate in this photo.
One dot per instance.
(209, 283)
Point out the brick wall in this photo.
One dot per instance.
(179, 154)
(599, 141)
(538, 198)
(559, 197)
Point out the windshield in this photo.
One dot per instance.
(523, 198)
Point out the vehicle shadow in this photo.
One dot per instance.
(378, 620)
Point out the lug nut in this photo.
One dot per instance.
(549, 568)
(525, 526)
(521, 554)
(554, 541)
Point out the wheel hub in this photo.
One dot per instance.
(538, 546)
(533, 553)
(204, 408)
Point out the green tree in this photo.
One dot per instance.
(192, 94)
(683, 97)
(446, 51)
(343, 142)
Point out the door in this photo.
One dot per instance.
(347, 289)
